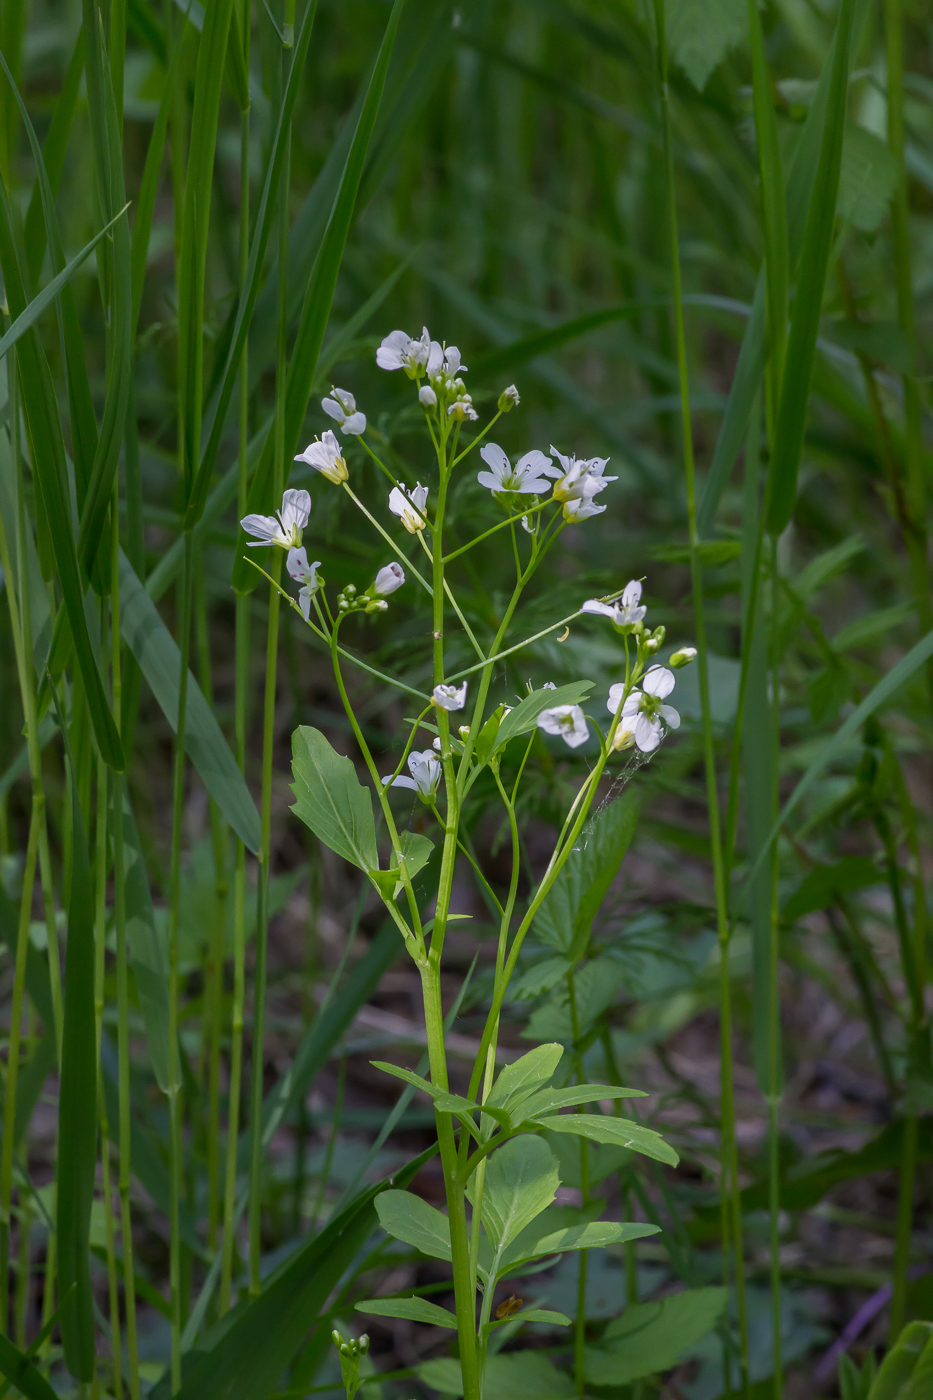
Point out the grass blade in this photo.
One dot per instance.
(20, 1371)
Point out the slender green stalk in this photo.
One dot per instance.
(730, 1183)
(268, 741)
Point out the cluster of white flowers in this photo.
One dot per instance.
(576, 480)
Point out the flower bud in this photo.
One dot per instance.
(623, 738)
(350, 590)
(509, 399)
(388, 579)
(659, 634)
(464, 731)
(427, 396)
(652, 644)
(336, 1338)
(683, 657)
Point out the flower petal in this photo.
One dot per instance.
(593, 605)
(658, 682)
(670, 716)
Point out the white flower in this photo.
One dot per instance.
(324, 455)
(342, 408)
(425, 770)
(524, 477)
(444, 360)
(508, 399)
(306, 574)
(388, 579)
(400, 351)
(461, 408)
(427, 397)
(409, 506)
(285, 527)
(577, 511)
(578, 478)
(625, 611)
(568, 721)
(449, 697)
(645, 708)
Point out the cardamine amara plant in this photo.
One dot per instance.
(500, 1175)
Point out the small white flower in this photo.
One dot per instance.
(449, 697)
(508, 399)
(524, 477)
(342, 408)
(400, 351)
(409, 506)
(625, 611)
(578, 478)
(643, 710)
(444, 360)
(305, 574)
(568, 721)
(285, 527)
(388, 579)
(577, 511)
(427, 397)
(325, 456)
(425, 772)
(462, 408)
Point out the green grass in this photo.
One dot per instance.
(698, 239)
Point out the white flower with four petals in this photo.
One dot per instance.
(568, 721)
(388, 579)
(400, 351)
(643, 711)
(342, 408)
(425, 770)
(625, 611)
(285, 527)
(409, 506)
(525, 477)
(325, 456)
(449, 697)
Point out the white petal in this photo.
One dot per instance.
(494, 457)
(670, 716)
(631, 593)
(632, 704)
(333, 409)
(264, 527)
(658, 682)
(297, 563)
(593, 605)
(355, 425)
(401, 781)
(615, 698)
(304, 602)
(487, 479)
(435, 358)
(296, 505)
(647, 734)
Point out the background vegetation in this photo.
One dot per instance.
(496, 171)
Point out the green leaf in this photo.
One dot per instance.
(550, 1100)
(331, 800)
(867, 179)
(556, 1319)
(416, 852)
(21, 1373)
(652, 1337)
(874, 624)
(245, 1354)
(808, 301)
(619, 1131)
(319, 295)
(701, 32)
(412, 1309)
(825, 566)
(593, 1234)
(77, 1112)
(818, 889)
(521, 1181)
(565, 918)
(148, 954)
(525, 714)
(518, 1375)
(595, 987)
(712, 553)
(410, 1219)
(895, 1376)
(159, 660)
(523, 1076)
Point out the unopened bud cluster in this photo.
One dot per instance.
(353, 1348)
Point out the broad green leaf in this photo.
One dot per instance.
(652, 1337)
(565, 918)
(77, 1113)
(413, 1309)
(921, 1380)
(245, 1354)
(331, 800)
(521, 1181)
(594, 1234)
(556, 1319)
(701, 32)
(874, 624)
(148, 953)
(525, 714)
(410, 1219)
(818, 889)
(894, 1380)
(159, 660)
(416, 852)
(517, 1375)
(618, 1131)
(550, 1100)
(867, 179)
(21, 1373)
(523, 1076)
(825, 566)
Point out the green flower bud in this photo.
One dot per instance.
(509, 399)
(683, 657)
